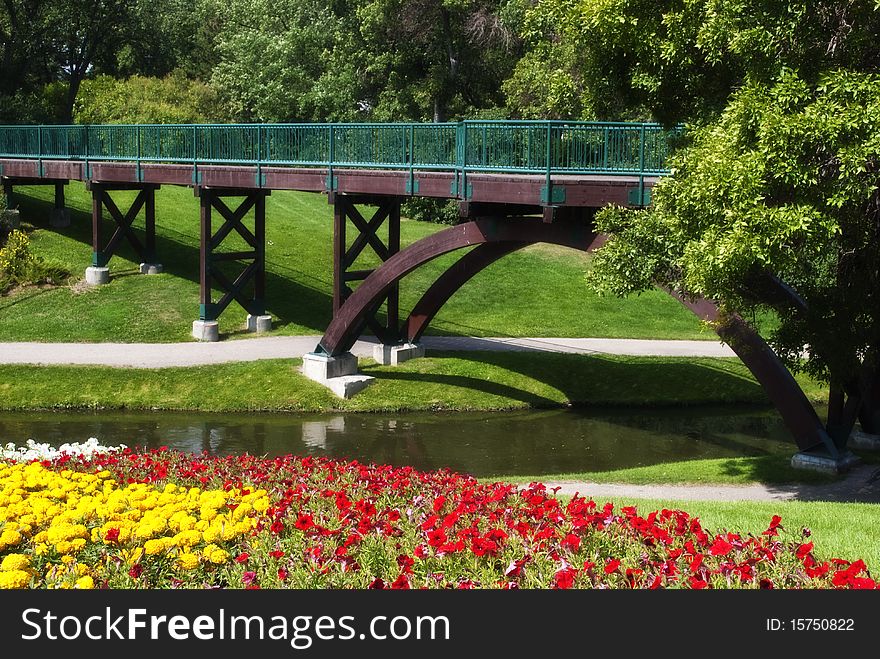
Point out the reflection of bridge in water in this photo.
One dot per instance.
(517, 184)
(501, 443)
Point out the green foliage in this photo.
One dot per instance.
(425, 209)
(681, 59)
(783, 185)
(143, 100)
(547, 84)
(19, 266)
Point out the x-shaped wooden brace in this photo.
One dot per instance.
(387, 209)
(254, 271)
(101, 199)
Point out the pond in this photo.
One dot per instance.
(487, 443)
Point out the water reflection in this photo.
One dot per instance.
(512, 443)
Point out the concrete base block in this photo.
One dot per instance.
(151, 268)
(60, 218)
(97, 276)
(320, 367)
(339, 374)
(388, 355)
(823, 462)
(206, 330)
(11, 218)
(346, 386)
(864, 440)
(258, 324)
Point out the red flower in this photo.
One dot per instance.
(304, 522)
(282, 573)
(698, 584)
(277, 526)
(572, 542)
(804, 550)
(136, 570)
(401, 583)
(276, 554)
(242, 557)
(438, 503)
(436, 537)
(720, 547)
(611, 566)
(766, 584)
(406, 563)
(377, 584)
(775, 524)
(248, 578)
(112, 535)
(420, 552)
(564, 578)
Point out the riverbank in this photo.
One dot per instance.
(454, 381)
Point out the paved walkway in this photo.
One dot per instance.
(860, 484)
(164, 355)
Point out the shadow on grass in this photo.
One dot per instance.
(289, 301)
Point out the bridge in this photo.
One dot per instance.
(517, 183)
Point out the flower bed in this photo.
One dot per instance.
(160, 519)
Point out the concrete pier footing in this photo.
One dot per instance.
(864, 440)
(151, 268)
(258, 324)
(392, 355)
(339, 373)
(97, 276)
(206, 330)
(822, 462)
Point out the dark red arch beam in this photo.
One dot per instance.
(496, 238)
(349, 320)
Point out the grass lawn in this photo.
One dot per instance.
(443, 381)
(728, 471)
(537, 292)
(839, 530)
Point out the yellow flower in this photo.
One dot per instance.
(14, 579)
(85, 583)
(10, 537)
(14, 562)
(153, 547)
(219, 556)
(188, 561)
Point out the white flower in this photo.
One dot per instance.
(34, 451)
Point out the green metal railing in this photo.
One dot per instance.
(523, 147)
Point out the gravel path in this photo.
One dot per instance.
(861, 484)
(164, 355)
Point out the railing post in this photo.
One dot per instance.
(605, 147)
(642, 165)
(548, 191)
(464, 149)
(140, 174)
(331, 155)
(40, 150)
(86, 140)
(411, 188)
(259, 155)
(195, 146)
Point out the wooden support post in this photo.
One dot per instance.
(210, 274)
(387, 211)
(97, 210)
(59, 195)
(206, 311)
(7, 192)
(101, 199)
(339, 220)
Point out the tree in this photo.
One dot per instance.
(774, 204)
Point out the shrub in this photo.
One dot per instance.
(19, 266)
(440, 211)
